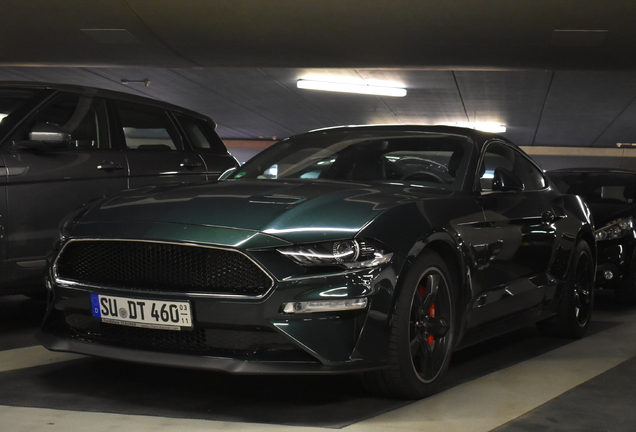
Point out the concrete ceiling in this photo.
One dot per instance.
(555, 72)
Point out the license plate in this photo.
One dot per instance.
(165, 315)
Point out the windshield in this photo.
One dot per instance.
(12, 99)
(600, 188)
(430, 158)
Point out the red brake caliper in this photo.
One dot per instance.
(430, 339)
(431, 312)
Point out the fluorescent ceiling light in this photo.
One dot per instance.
(483, 126)
(351, 88)
(490, 127)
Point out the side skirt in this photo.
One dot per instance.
(503, 326)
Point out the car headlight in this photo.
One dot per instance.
(615, 229)
(347, 253)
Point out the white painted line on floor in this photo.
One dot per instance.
(21, 358)
(493, 400)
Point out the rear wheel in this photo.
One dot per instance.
(421, 333)
(575, 308)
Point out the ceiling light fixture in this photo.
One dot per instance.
(482, 126)
(351, 88)
(145, 82)
(490, 127)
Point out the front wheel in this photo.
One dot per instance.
(575, 307)
(421, 333)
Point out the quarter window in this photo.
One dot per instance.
(201, 134)
(147, 128)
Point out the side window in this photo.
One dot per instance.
(201, 134)
(497, 156)
(147, 128)
(506, 159)
(531, 177)
(81, 116)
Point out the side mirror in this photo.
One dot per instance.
(46, 136)
(505, 180)
(49, 132)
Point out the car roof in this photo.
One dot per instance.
(361, 130)
(99, 92)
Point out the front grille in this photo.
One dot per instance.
(161, 267)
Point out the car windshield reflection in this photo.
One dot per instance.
(422, 158)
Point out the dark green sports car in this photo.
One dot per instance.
(375, 250)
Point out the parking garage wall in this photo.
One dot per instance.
(550, 158)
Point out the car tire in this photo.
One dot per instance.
(625, 293)
(575, 307)
(422, 333)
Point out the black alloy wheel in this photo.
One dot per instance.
(422, 333)
(428, 327)
(575, 307)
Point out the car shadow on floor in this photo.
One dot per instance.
(20, 318)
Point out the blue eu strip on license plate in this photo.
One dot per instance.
(159, 314)
(95, 305)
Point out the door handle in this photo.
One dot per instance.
(109, 166)
(187, 163)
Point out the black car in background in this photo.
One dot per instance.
(375, 250)
(611, 196)
(62, 146)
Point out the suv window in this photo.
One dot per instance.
(201, 134)
(11, 99)
(81, 116)
(147, 128)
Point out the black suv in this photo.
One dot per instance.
(62, 146)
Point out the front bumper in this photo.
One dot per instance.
(221, 364)
(614, 262)
(240, 335)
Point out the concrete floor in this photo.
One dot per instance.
(520, 382)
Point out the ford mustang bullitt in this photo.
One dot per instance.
(368, 250)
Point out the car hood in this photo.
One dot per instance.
(295, 211)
